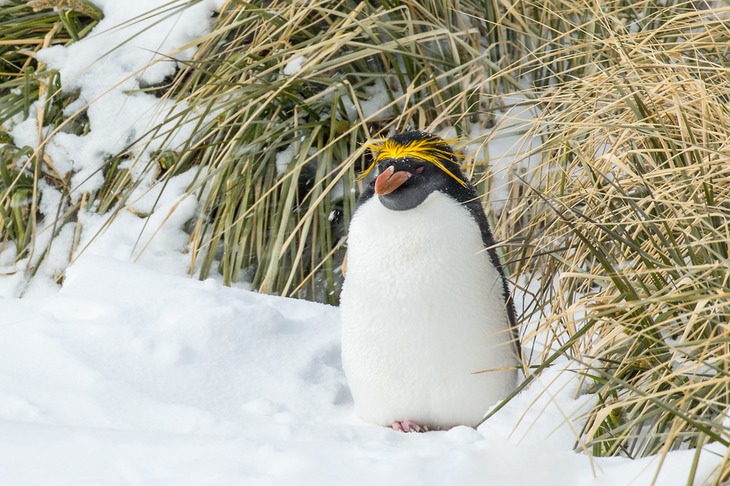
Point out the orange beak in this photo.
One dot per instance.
(390, 180)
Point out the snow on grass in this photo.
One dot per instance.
(294, 66)
(377, 106)
(150, 231)
(283, 159)
(137, 44)
(131, 376)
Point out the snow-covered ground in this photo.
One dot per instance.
(132, 374)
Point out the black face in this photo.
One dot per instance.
(411, 166)
(424, 179)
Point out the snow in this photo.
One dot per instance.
(132, 376)
(377, 106)
(138, 43)
(294, 66)
(158, 240)
(284, 158)
(132, 373)
(108, 72)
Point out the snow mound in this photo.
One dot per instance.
(130, 376)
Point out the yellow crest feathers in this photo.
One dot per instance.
(426, 149)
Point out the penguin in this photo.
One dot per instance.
(429, 337)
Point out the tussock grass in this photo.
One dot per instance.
(615, 221)
(639, 218)
(626, 220)
(25, 29)
(365, 70)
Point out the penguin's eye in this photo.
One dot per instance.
(420, 169)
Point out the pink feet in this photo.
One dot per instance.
(408, 426)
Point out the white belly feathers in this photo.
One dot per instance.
(423, 316)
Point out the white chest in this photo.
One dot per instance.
(423, 316)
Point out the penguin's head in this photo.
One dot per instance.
(411, 166)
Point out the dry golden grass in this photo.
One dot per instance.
(622, 237)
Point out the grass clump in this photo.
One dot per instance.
(26, 28)
(628, 222)
(298, 90)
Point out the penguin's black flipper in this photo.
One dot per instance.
(475, 208)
